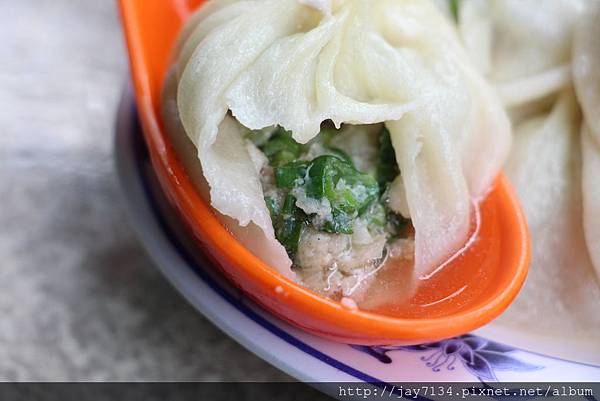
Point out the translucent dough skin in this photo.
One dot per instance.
(586, 73)
(586, 67)
(221, 54)
(537, 53)
(545, 168)
(591, 196)
(516, 39)
(252, 236)
(522, 46)
(298, 63)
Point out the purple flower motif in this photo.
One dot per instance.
(479, 356)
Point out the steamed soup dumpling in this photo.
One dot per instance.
(591, 195)
(536, 53)
(532, 51)
(545, 169)
(296, 64)
(586, 73)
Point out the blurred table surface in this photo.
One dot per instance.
(79, 298)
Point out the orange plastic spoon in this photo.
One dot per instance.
(492, 272)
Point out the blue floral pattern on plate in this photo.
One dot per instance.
(481, 357)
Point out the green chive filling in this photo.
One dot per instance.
(319, 187)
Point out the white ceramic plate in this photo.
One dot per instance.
(309, 358)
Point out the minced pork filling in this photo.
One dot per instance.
(329, 201)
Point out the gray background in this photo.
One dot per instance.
(79, 298)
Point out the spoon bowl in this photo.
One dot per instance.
(488, 275)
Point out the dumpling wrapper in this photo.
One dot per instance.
(591, 195)
(210, 60)
(523, 46)
(298, 63)
(533, 52)
(252, 236)
(586, 67)
(586, 75)
(545, 169)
